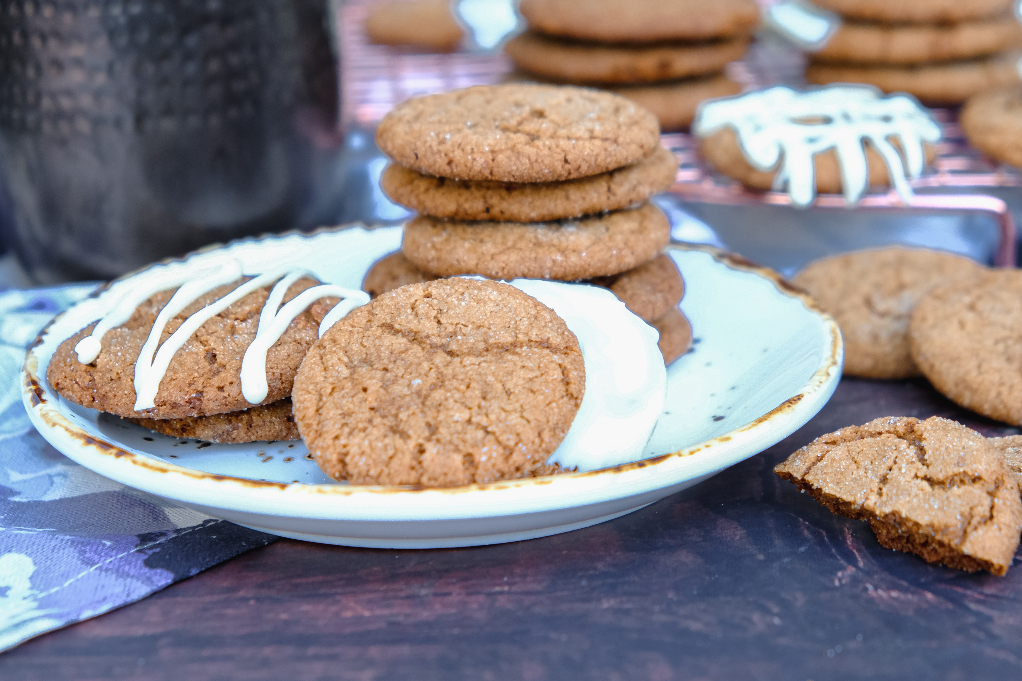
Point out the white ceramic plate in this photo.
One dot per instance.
(765, 360)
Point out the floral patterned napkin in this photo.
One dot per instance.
(73, 544)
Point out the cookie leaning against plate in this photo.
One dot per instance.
(675, 334)
(992, 122)
(530, 202)
(518, 133)
(916, 11)
(443, 383)
(966, 339)
(871, 295)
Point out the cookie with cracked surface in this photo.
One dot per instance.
(427, 24)
(871, 295)
(574, 62)
(530, 202)
(566, 250)
(934, 488)
(946, 83)
(640, 21)
(204, 375)
(674, 102)
(390, 272)
(992, 122)
(966, 338)
(267, 422)
(916, 11)
(518, 132)
(1011, 448)
(649, 290)
(675, 334)
(445, 383)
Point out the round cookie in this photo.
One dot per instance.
(418, 23)
(855, 43)
(204, 375)
(871, 295)
(267, 422)
(530, 202)
(674, 103)
(723, 151)
(992, 122)
(390, 272)
(518, 133)
(445, 383)
(574, 62)
(566, 250)
(967, 340)
(675, 334)
(639, 21)
(649, 290)
(948, 83)
(916, 11)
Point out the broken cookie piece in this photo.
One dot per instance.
(934, 488)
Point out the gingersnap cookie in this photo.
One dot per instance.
(934, 488)
(871, 295)
(916, 11)
(674, 103)
(267, 422)
(858, 43)
(203, 376)
(966, 338)
(444, 383)
(575, 62)
(530, 202)
(1010, 448)
(427, 24)
(518, 133)
(640, 21)
(948, 83)
(565, 250)
(390, 272)
(649, 290)
(992, 122)
(675, 334)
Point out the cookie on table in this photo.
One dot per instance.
(649, 290)
(445, 383)
(427, 24)
(518, 133)
(675, 334)
(917, 11)
(575, 62)
(566, 250)
(966, 338)
(675, 102)
(390, 272)
(530, 202)
(992, 122)
(642, 21)
(871, 295)
(934, 488)
(268, 422)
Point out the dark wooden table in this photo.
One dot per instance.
(740, 577)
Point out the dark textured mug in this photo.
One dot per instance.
(132, 130)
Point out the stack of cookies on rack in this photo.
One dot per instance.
(667, 55)
(538, 182)
(941, 51)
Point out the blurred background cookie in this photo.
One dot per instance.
(426, 24)
(992, 122)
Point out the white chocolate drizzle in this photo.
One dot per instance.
(804, 24)
(787, 127)
(152, 363)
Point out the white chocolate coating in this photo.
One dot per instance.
(783, 126)
(806, 25)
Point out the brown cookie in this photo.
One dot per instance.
(947, 83)
(992, 122)
(390, 272)
(530, 202)
(649, 290)
(1011, 448)
(674, 103)
(427, 24)
(204, 375)
(518, 133)
(916, 11)
(565, 250)
(675, 334)
(855, 43)
(723, 151)
(934, 488)
(575, 62)
(639, 21)
(445, 383)
(966, 338)
(871, 295)
(272, 421)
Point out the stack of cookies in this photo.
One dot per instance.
(666, 55)
(539, 182)
(941, 51)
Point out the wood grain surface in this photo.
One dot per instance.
(741, 577)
